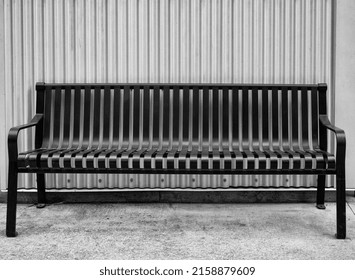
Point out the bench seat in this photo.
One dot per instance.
(195, 159)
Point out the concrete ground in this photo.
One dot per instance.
(178, 231)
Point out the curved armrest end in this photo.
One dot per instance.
(339, 133)
(340, 137)
(13, 135)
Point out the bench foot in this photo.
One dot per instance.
(340, 235)
(321, 206)
(11, 234)
(40, 205)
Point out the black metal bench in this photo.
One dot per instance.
(179, 128)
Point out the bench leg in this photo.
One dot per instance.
(41, 191)
(11, 201)
(341, 206)
(321, 191)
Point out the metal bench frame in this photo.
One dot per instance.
(319, 120)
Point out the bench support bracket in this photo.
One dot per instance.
(11, 201)
(341, 207)
(320, 192)
(41, 191)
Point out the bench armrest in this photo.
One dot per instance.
(13, 135)
(340, 137)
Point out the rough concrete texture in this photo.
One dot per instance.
(177, 231)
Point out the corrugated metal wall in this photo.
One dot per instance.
(232, 41)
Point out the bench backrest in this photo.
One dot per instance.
(180, 115)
